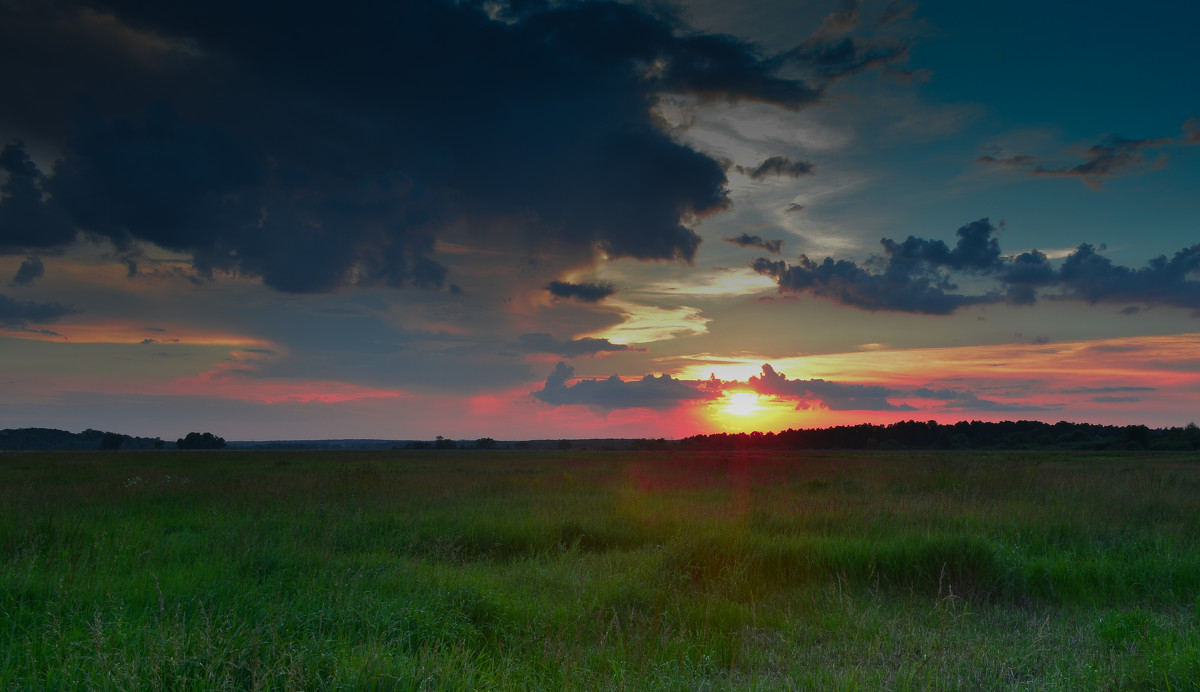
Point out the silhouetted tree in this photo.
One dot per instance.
(111, 440)
(195, 440)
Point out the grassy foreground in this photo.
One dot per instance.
(456, 570)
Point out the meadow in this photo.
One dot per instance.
(447, 570)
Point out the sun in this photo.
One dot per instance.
(742, 404)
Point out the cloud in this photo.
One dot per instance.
(968, 401)
(1088, 276)
(1113, 157)
(976, 249)
(777, 166)
(910, 280)
(1107, 390)
(895, 10)
(27, 222)
(316, 154)
(569, 348)
(1191, 131)
(841, 21)
(834, 60)
(17, 314)
(916, 276)
(659, 392)
(834, 396)
(586, 292)
(746, 240)
(30, 270)
(846, 283)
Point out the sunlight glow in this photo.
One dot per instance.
(742, 404)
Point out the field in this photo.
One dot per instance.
(607, 570)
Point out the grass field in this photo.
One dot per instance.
(617, 570)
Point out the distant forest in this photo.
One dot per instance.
(49, 438)
(1022, 434)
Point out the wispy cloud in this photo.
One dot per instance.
(774, 246)
(1112, 157)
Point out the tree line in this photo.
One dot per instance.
(51, 438)
(1022, 434)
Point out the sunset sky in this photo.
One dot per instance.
(545, 219)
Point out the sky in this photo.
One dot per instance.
(532, 219)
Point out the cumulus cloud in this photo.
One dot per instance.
(18, 314)
(323, 147)
(586, 292)
(916, 275)
(1113, 157)
(910, 280)
(774, 246)
(1091, 277)
(663, 391)
(976, 249)
(30, 270)
(568, 348)
(835, 396)
(776, 166)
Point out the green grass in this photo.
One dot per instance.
(457, 570)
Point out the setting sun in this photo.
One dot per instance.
(742, 404)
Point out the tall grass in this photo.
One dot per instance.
(454, 570)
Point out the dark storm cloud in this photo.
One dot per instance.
(1113, 157)
(663, 391)
(834, 396)
(30, 270)
(17, 314)
(27, 222)
(317, 147)
(774, 246)
(777, 166)
(915, 276)
(586, 292)
(567, 348)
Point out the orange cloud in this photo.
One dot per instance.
(128, 332)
